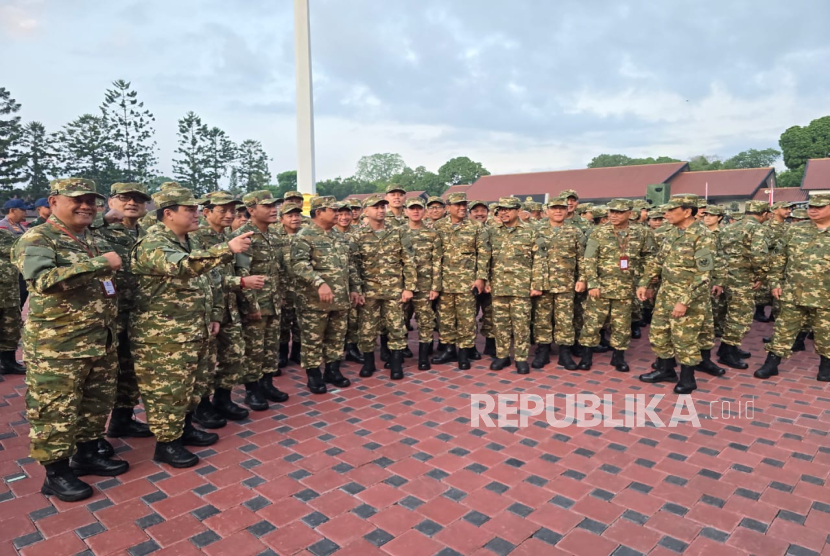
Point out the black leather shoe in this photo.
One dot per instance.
(587, 360)
(473, 354)
(706, 365)
(195, 437)
(636, 333)
(423, 356)
(618, 361)
(396, 365)
(353, 354)
(542, 356)
(490, 347)
(449, 355)
(224, 405)
(742, 353)
(766, 339)
(824, 370)
(315, 383)
(798, 345)
(282, 361)
(730, 358)
(499, 363)
(296, 347)
(332, 375)
(769, 368)
(385, 352)
(368, 368)
(759, 315)
(565, 358)
(124, 424)
(407, 353)
(87, 461)
(206, 415)
(686, 384)
(464, 359)
(175, 454)
(254, 398)
(105, 449)
(9, 365)
(664, 373)
(271, 392)
(62, 482)
(522, 367)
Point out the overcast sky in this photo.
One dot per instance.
(521, 86)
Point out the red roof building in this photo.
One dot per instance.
(461, 188)
(725, 186)
(817, 176)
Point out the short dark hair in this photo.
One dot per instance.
(693, 209)
(160, 212)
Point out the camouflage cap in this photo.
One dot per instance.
(756, 207)
(73, 187)
(581, 208)
(123, 188)
(394, 187)
(326, 201)
(355, 203)
(292, 195)
(684, 200)
(435, 199)
(290, 207)
(702, 203)
(569, 193)
(654, 214)
(559, 201)
(819, 200)
(715, 210)
(640, 204)
(600, 211)
(170, 185)
(373, 200)
(799, 214)
(477, 203)
(172, 197)
(414, 202)
(342, 206)
(781, 205)
(261, 197)
(455, 198)
(620, 205)
(219, 198)
(509, 203)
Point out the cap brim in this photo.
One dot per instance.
(78, 194)
(135, 191)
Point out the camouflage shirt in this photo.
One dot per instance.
(224, 282)
(775, 233)
(175, 301)
(427, 246)
(323, 257)
(466, 255)
(604, 250)
(122, 240)
(745, 251)
(802, 266)
(517, 265)
(385, 262)
(69, 315)
(564, 249)
(9, 282)
(265, 258)
(393, 221)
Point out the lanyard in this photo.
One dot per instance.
(84, 246)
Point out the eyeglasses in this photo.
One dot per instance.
(127, 197)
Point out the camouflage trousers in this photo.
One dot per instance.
(636, 308)
(126, 389)
(511, 316)
(261, 347)
(457, 318)
(719, 313)
(580, 300)
(381, 316)
(485, 305)
(794, 319)
(424, 316)
(230, 356)
(10, 327)
(740, 308)
(323, 333)
(706, 337)
(352, 326)
(68, 401)
(289, 322)
(553, 318)
(678, 337)
(615, 311)
(172, 379)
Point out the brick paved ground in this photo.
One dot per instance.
(395, 468)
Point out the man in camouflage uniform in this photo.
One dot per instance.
(260, 309)
(346, 227)
(291, 220)
(614, 257)
(553, 310)
(480, 212)
(326, 285)
(387, 275)
(746, 256)
(127, 200)
(436, 210)
(427, 248)
(227, 348)
(712, 219)
(44, 211)
(69, 341)
(240, 218)
(10, 321)
(684, 264)
(776, 228)
(172, 321)
(800, 279)
(357, 210)
(518, 273)
(465, 264)
(799, 215)
(395, 196)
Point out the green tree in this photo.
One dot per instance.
(701, 163)
(131, 131)
(614, 160)
(419, 179)
(189, 167)
(154, 183)
(252, 171)
(341, 188)
(288, 179)
(789, 178)
(220, 152)
(800, 144)
(752, 158)
(39, 153)
(461, 170)
(85, 150)
(379, 167)
(11, 161)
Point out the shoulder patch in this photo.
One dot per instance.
(704, 259)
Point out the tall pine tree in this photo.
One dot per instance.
(189, 167)
(11, 160)
(252, 166)
(85, 150)
(220, 153)
(40, 156)
(130, 128)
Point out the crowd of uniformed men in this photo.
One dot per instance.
(176, 307)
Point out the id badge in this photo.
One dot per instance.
(624, 262)
(109, 288)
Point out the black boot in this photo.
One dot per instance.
(542, 356)
(123, 423)
(87, 461)
(769, 368)
(315, 383)
(282, 362)
(332, 375)
(226, 408)
(105, 449)
(195, 437)
(474, 354)
(742, 353)
(618, 361)
(175, 454)
(759, 315)
(207, 416)
(490, 347)
(423, 356)
(604, 345)
(636, 333)
(522, 367)
(62, 482)
(254, 397)
(565, 359)
(441, 346)
(499, 363)
(798, 344)
(396, 365)
(707, 366)
(353, 354)
(464, 359)
(271, 392)
(729, 358)
(686, 384)
(9, 364)
(385, 352)
(766, 339)
(296, 347)
(824, 370)
(587, 360)
(664, 373)
(407, 353)
(368, 364)
(449, 355)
